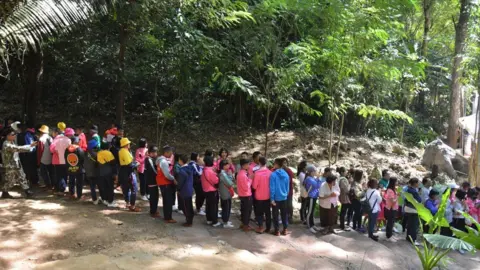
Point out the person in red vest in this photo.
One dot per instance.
(165, 181)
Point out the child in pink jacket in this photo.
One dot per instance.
(59, 145)
(244, 189)
(140, 156)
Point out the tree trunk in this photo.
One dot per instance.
(120, 113)
(340, 137)
(330, 142)
(267, 120)
(461, 31)
(427, 25)
(32, 93)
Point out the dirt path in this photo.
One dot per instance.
(57, 233)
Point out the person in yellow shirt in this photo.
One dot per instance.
(106, 173)
(127, 176)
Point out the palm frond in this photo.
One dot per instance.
(25, 24)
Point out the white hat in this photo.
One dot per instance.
(453, 186)
(15, 126)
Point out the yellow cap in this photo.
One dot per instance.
(43, 129)
(124, 142)
(62, 126)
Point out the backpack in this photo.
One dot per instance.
(366, 204)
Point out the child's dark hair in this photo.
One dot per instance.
(142, 143)
(302, 166)
(243, 162)
(176, 157)
(255, 154)
(208, 160)
(223, 163)
(460, 194)
(433, 193)
(279, 162)
(327, 170)
(262, 161)
(183, 158)
(167, 149)
(341, 170)
(331, 178)
(152, 149)
(384, 172)
(208, 153)
(372, 183)
(223, 150)
(244, 153)
(357, 176)
(466, 185)
(392, 183)
(472, 193)
(413, 181)
(425, 180)
(104, 146)
(193, 156)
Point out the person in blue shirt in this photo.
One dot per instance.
(279, 188)
(432, 203)
(312, 185)
(383, 184)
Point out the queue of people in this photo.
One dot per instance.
(67, 157)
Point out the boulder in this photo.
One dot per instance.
(343, 146)
(397, 149)
(460, 163)
(440, 154)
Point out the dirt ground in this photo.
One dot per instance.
(51, 232)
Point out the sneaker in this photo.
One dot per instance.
(312, 230)
(209, 223)
(228, 225)
(144, 198)
(391, 240)
(219, 215)
(96, 201)
(259, 230)
(174, 208)
(318, 228)
(276, 233)
(218, 224)
(112, 205)
(105, 203)
(416, 243)
(201, 213)
(285, 232)
(461, 251)
(170, 221)
(374, 238)
(180, 212)
(395, 230)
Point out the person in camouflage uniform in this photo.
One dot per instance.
(14, 174)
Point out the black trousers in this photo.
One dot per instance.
(459, 224)
(226, 209)
(187, 209)
(168, 196)
(108, 187)
(390, 217)
(262, 209)
(282, 207)
(153, 201)
(212, 206)
(303, 209)
(246, 209)
(311, 203)
(343, 212)
(357, 214)
(199, 196)
(290, 208)
(61, 173)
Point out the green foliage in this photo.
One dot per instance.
(430, 257)
(367, 111)
(472, 236)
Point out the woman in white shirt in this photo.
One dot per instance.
(301, 169)
(374, 199)
(328, 196)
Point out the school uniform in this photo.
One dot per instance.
(210, 181)
(150, 174)
(185, 190)
(106, 173)
(279, 189)
(244, 189)
(226, 182)
(74, 158)
(165, 182)
(197, 185)
(91, 172)
(261, 186)
(127, 177)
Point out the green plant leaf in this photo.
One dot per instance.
(422, 211)
(446, 242)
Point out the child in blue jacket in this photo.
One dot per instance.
(185, 189)
(279, 188)
(312, 185)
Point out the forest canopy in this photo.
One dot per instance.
(387, 68)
